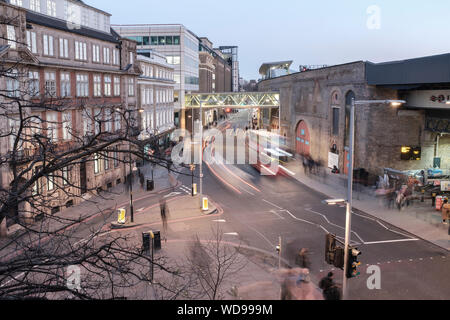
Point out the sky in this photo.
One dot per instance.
(313, 32)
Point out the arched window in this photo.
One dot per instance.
(335, 112)
(348, 105)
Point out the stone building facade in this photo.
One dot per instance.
(156, 96)
(90, 71)
(315, 117)
(215, 71)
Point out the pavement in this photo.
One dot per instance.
(178, 208)
(254, 276)
(420, 219)
(94, 207)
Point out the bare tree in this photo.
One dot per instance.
(212, 262)
(39, 149)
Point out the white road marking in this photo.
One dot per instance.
(140, 210)
(248, 192)
(22, 274)
(330, 223)
(173, 194)
(267, 240)
(272, 204)
(231, 234)
(287, 170)
(381, 224)
(340, 227)
(275, 213)
(390, 241)
(220, 221)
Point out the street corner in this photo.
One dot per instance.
(123, 226)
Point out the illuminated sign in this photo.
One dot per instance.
(436, 99)
(410, 153)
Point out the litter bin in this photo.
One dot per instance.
(157, 240)
(150, 185)
(146, 241)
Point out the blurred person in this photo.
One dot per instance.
(445, 211)
(164, 213)
(302, 259)
(329, 288)
(296, 285)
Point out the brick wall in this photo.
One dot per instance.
(381, 130)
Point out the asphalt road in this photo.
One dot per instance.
(260, 209)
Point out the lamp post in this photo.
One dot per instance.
(133, 134)
(349, 202)
(201, 154)
(131, 185)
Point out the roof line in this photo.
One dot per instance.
(328, 67)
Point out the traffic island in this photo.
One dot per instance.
(180, 207)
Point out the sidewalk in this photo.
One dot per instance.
(254, 272)
(95, 205)
(178, 209)
(420, 219)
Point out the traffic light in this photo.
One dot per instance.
(353, 263)
(330, 248)
(339, 258)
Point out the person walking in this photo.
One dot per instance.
(302, 259)
(164, 214)
(445, 211)
(330, 289)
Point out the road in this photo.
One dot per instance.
(260, 209)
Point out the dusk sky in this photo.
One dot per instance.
(308, 32)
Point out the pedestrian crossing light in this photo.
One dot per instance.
(353, 263)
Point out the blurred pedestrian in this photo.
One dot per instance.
(164, 213)
(296, 285)
(330, 289)
(302, 259)
(445, 211)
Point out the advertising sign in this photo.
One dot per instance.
(333, 160)
(445, 186)
(434, 99)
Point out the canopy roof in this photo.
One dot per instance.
(274, 65)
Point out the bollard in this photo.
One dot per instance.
(205, 204)
(121, 219)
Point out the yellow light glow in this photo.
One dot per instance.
(406, 149)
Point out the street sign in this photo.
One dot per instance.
(121, 216)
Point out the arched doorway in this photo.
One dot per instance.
(303, 139)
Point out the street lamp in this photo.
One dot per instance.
(133, 134)
(349, 202)
(201, 154)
